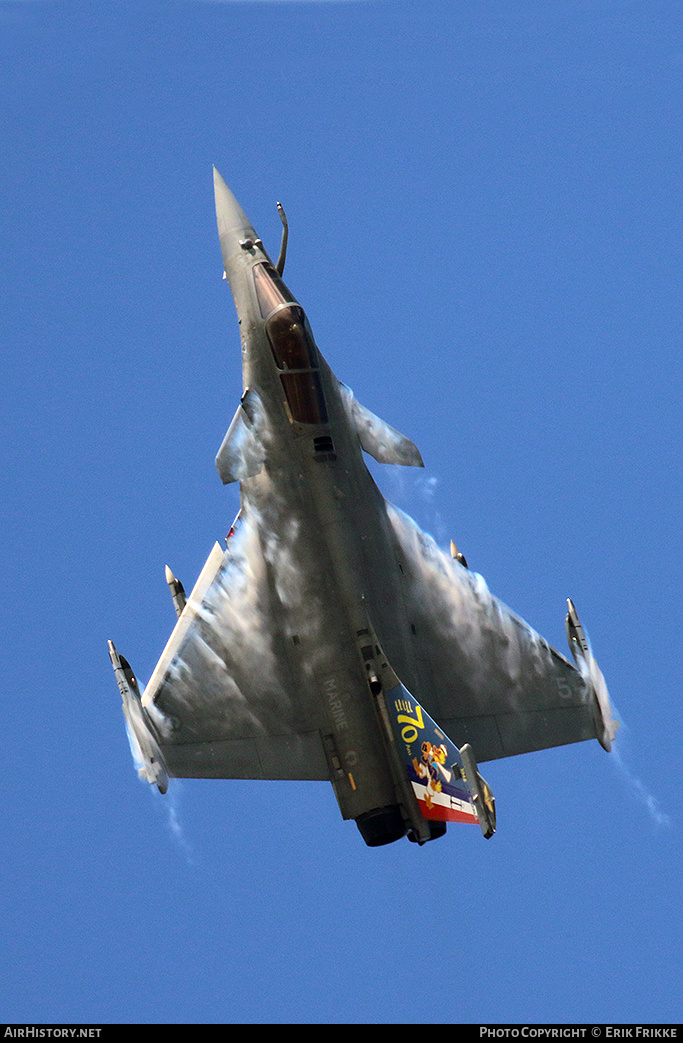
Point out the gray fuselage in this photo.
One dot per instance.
(322, 512)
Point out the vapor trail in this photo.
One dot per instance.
(171, 809)
(637, 786)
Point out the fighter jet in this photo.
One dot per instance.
(330, 639)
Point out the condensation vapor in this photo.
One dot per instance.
(475, 636)
(620, 751)
(170, 803)
(236, 641)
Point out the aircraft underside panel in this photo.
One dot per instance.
(506, 735)
(283, 757)
(487, 678)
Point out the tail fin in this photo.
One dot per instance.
(445, 780)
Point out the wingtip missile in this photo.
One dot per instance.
(457, 555)
(588, 668)
(126, 679)
(576, 637)
(177, 592)
(144, 747)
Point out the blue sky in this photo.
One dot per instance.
(484, 208)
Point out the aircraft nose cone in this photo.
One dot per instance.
(234, 227)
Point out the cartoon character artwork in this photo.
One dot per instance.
(430, 768)
(432, 762)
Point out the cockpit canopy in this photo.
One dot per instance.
(291, 339)
(294, 350)
(270, 289)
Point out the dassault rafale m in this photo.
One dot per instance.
(330, 638)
